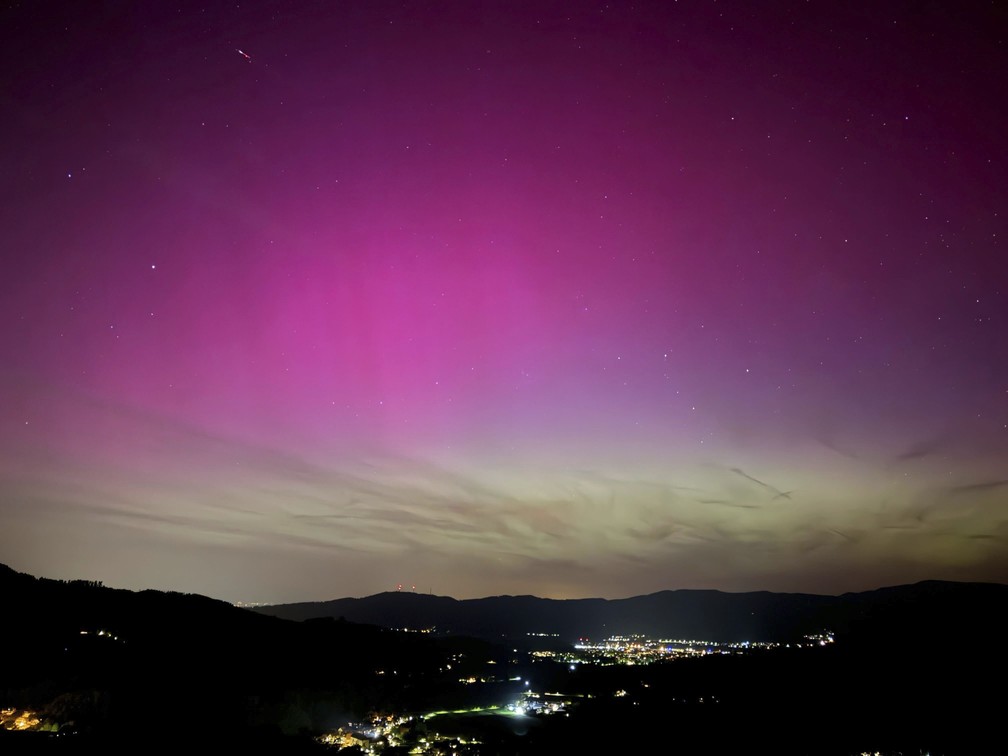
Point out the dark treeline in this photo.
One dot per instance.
(181, 665)
(913, 670)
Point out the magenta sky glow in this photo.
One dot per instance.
(557, 298)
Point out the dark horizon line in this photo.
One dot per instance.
(635, 596)
(430, 594)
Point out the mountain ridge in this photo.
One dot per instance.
(107, 664)
(697, 613)
(927, 581)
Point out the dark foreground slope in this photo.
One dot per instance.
(152, 666)
(914, 669)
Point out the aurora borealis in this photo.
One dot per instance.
(568, 299)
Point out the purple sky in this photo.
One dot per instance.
(560, 298)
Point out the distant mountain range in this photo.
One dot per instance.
(930, 608)
(116, 667)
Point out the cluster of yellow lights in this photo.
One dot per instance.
(100, 633)
(384, 725)
(342, 739)
(10, 720)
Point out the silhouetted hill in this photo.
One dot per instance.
(931, 608)
(108, 659)
(912, 669)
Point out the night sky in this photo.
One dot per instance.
(306, 300)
